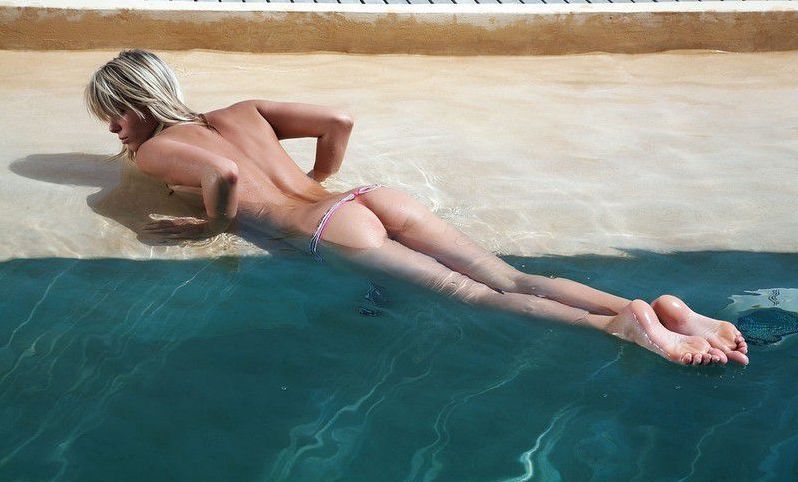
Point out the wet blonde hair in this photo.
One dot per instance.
(140, 81)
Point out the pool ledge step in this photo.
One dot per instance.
(476, 29)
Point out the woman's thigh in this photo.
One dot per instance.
(399, 261)
(412, 224)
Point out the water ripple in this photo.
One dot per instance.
(565, 414)
(421, 458)
(322, 430)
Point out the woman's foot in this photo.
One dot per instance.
(678, 317)
(638, 323)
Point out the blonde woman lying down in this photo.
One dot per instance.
(233, 157)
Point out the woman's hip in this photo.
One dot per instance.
(341, 220)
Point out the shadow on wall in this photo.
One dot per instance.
(126, 195)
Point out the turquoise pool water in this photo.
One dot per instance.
(262, 369)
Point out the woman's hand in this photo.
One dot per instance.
(317, 176)
(177, 188)
(178, 228)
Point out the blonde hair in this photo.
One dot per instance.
(139, 81)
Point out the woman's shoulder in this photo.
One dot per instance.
(244, 105)
(239, 110)
(232, 122)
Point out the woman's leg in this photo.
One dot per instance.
(636, 322)
(411, 223)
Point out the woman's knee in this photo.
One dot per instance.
(461, 287)
(534, 284)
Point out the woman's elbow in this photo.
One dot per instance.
(344, 120)
(230, 174)
(220, 176)
(227, 172)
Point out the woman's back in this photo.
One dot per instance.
(268, 177)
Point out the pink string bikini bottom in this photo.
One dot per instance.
(325, 220)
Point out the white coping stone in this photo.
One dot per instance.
(482, 8)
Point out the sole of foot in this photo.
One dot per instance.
(638, 323)
(677, 316)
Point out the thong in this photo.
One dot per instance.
(325, 220)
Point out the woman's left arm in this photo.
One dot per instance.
(180, 163)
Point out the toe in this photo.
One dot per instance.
(742, 347)
(721, 357)
(687, 358)
(696, 359)
(706, 358)
(738, 357)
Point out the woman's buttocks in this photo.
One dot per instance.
(352, 224)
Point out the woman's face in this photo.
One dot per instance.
(132, 130)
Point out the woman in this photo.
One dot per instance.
(233, 157)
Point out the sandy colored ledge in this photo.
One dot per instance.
(417, 29)
(596, 153)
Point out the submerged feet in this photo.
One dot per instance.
(638, 323)
(678, 317)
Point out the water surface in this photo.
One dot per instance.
(262, 369)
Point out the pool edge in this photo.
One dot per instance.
(402, 29)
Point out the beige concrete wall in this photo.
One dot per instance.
(417, 29)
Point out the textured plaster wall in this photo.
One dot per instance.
(449, 33)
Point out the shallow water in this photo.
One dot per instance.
(256, 369)
(528, 155)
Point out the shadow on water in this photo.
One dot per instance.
(266, 369)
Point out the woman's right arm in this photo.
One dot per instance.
(176, 162)
(330, 127)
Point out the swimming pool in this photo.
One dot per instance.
(638, 174)
(243, 369)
